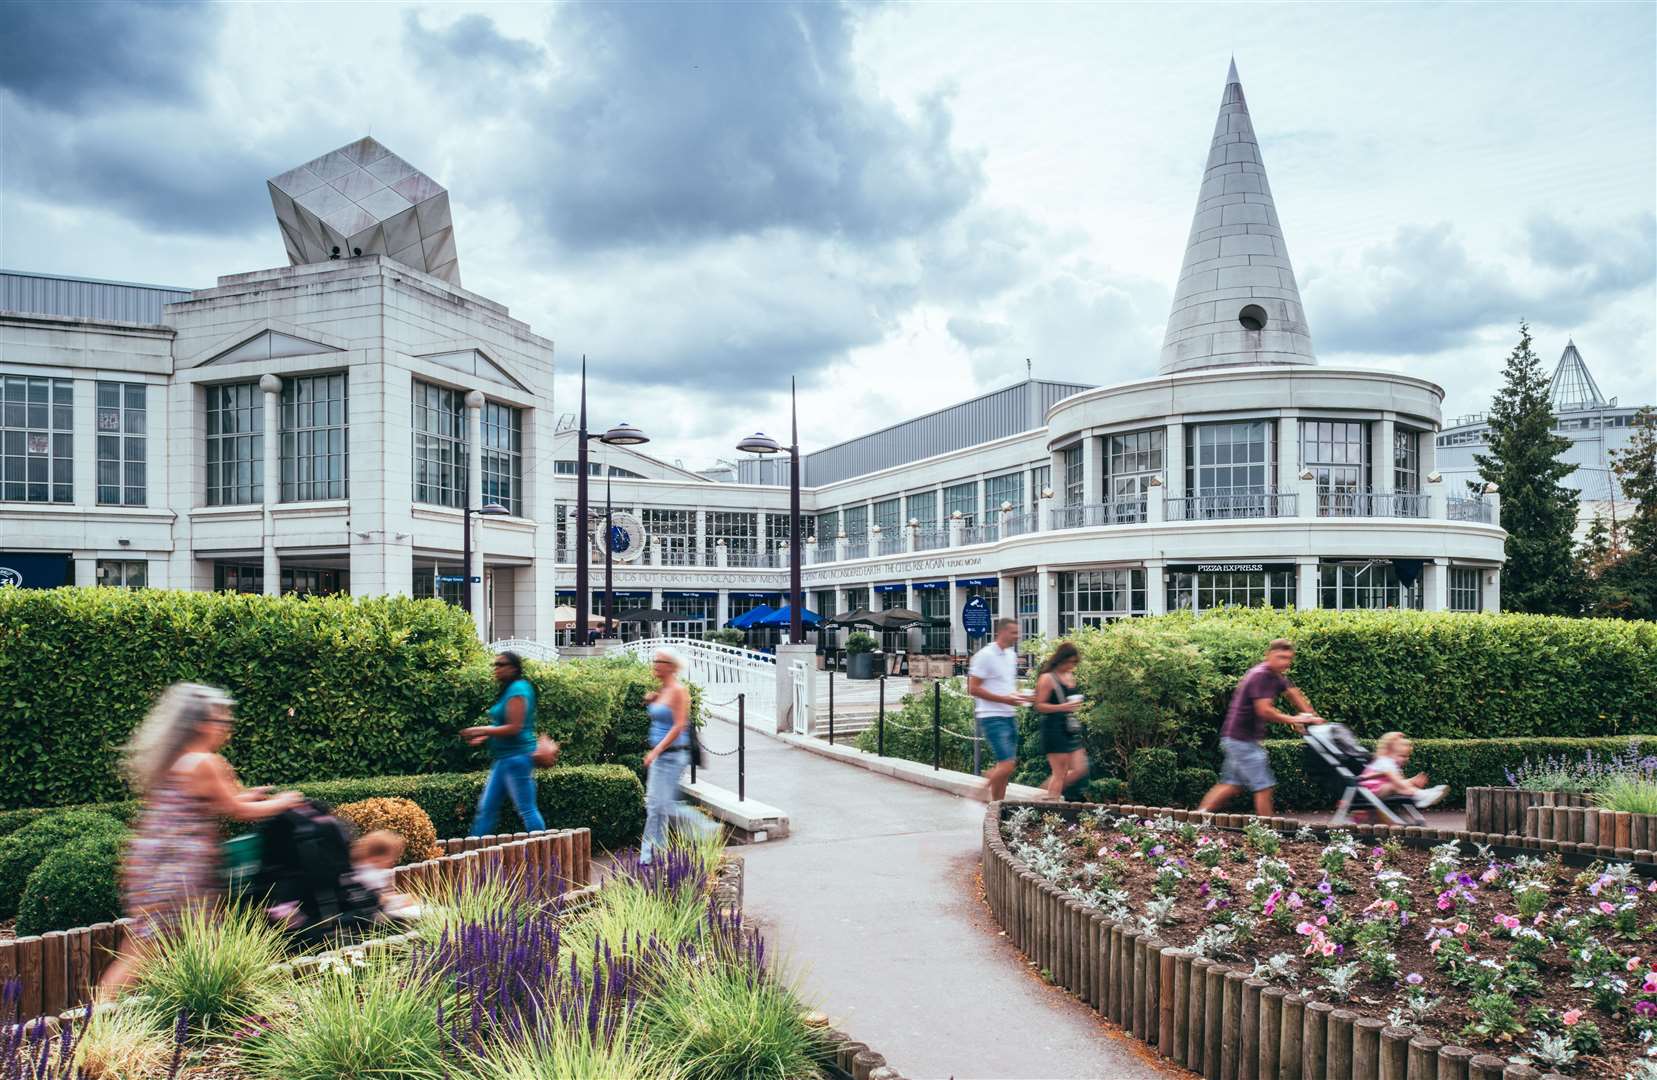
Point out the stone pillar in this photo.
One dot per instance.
(1427, 450)
(1093, 471)
(840, 547)
(909, 538)
(1006, 601)
(1437, 498)
(1306, 495)
(1173, 453)
(762, 545)
(271, 387)
(1492, 591)
(86, 570)
(909, 594)
(1055, 482)
(1288, 451)
(1047, 602)
(1435, 585)
(1493, 496)
(1306, 582)
(84, 445)
(1156, 502)
(721, 555)
(1380, 454)
(474, 499)
(722, 609)
(957, 632)
(1156, 587)
(956, 525)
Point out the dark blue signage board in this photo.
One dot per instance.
(975, 617)
(922, 585)
(969, 582)
(891, 588)
(35, 571)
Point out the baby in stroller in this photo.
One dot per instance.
(310, 883)
(1373, 788)
(1385, 774)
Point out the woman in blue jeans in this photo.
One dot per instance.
(668, 756)
(511, 738)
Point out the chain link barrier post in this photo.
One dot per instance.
(831, 706)
(742, 748)
(880, 733)
(937, 710)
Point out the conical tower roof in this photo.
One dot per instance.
(1573, 387)
(1236, 301)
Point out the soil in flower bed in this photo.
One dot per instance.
(1524, 958)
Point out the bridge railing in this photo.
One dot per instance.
(524, 647)
(722, 671)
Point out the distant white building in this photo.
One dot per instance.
(1596, 427)
(319, 428)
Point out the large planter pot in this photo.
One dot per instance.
(863, 665)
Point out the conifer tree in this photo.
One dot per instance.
(1539, 513)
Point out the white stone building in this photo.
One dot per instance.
(138, 422)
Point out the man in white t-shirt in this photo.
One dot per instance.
(992, 680)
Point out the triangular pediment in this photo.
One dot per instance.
(478, 363)
(271, 345)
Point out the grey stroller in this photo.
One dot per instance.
(1335, 757)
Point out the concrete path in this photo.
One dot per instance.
(873, 900)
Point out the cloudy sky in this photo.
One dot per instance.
(897, 203)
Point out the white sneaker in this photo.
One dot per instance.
(1427, 796)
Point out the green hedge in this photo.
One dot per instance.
(326, 688)
(608, 799)
(909, 731)
(24, 849)
(76, 885)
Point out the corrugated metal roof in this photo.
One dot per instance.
(996, 415)
(85, 298)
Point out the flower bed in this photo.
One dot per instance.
(1518, 957)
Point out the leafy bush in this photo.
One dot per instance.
(1153, 778)
(1142, 684)
(401, 816)
(211, 964)
(24, 850)
(909, 730)
(860, 643)
(78, 884)
(1109, 789)
(726, 636)
(1193, 783)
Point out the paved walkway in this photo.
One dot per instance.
(873, 901)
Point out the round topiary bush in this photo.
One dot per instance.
(401, 816)
(1193, 783)
(24, 850)
(1152, 776)
(76, 885)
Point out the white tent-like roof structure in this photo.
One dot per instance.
(1573, 387)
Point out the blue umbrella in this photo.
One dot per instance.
(750, 617)
(782, 616)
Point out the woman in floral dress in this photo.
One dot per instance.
(174, 857)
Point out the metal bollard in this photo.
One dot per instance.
(741, 747)
(880, 735)
(937, 706)
(831, 706)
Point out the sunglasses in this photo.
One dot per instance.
(503, 663)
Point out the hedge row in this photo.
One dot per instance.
(326, 687)
(608, 799)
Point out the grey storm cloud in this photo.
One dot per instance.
(470, 39)
(677, 122)
(65, 55)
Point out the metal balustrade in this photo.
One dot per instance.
(931, 539)
(1265, 504)
(1019, 524)
(889, 545)
(1371, 504)
(857, 549)
(1117, 512)
(820, 553)
(524, 647)
(1477, 510)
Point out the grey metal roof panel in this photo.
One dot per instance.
(86, 298)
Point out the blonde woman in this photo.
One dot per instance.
(173, 762)
(668, 755)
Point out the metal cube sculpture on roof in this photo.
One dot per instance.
(364, 199)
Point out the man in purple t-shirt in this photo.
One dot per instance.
(1253, 706)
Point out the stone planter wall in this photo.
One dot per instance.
(1502, 809)
(1214, 1018)
(57, 970)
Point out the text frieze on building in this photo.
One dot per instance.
(900, 568)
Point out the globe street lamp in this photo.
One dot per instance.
(486, 510)
(620, 435)
(760, 443)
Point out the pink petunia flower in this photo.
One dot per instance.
(1650, 985)
(1328, 948)
(1461, 928)
(1571, 1017)
(1433, 948)
(1633, 963)
(1607, 908)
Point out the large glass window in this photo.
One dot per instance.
(827, 527)
(962, 498)
(1337, 452)
(122, 450)
(1008, 488)
(37, 440)
(934, 604)
(1041, 478)
(1466, 589)
(1027, 588)
(314, 421)
(503, 456)
(856, 521)
(674, 530)
(1231, 458)
(1406, 462)
(439, 422)
(1094, 597)
(923, 508)
(1131, 460)
(739, 530)
(1073, 478)
(438, 582)
(123, 573)
(1203, 592)
(1366, 585)
(235, 444)
(295, 580)
(888, 515)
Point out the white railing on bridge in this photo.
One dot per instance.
(723, 672)
(529, 650)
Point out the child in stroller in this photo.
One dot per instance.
(1377, 784)
(306, 879)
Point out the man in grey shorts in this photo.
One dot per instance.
(1253, 706)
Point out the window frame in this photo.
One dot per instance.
(116, 446)
(244, 401)
(299, 479)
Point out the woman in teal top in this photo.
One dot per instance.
(511, 738)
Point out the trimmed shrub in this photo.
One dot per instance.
(24, 850)
(1152, 777)
(1193, 783)
(124, 812)
(401, 816)
(1108, 790)
(1142, 685)
(909, 731)
(76, 885)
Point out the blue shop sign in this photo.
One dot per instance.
(922, 585)
(690, 595)
(969, 582)
(35, 571)
(899, 587)
(975, 617)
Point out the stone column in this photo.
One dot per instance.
(85, 570)
(761, 544)
(1173, 454)
(271, 387)
(1093, 471)
(474, 499)
(1306, 582)
(1492, 591)
(83, 477)
(1055, 481)
(1380, 454)
(956, 525)
(957, 632)
(1006, 602)
(1156, 502)
(722, 609)
(1156, 588)
(1288, 451)
(1306, 495)
(1435, 585)
(1437, 498)
(1047, 602)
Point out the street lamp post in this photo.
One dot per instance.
(622, 434)
(760, 443)
(486, 510)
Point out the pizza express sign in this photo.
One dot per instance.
(1228, 568)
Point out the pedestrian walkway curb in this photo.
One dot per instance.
(756, 820)
(963, 785)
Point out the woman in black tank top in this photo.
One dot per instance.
(1057, 701)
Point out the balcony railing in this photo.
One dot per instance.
(1019, 524)
(980, 534)
(1371, 504)
(1468, 510)
(1119, 512)
(820, 553)
(931, 539)
(889, 544)
(857, 549)
(1265, 504)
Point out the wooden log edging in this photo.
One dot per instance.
(58, 970)
(1501, 810)
(1211, 1018)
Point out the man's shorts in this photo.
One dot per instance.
(1246, 765)
(1001, 733)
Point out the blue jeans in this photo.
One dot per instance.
(1001, 733)
(508, 776)
(661, 802)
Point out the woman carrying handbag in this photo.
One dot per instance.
(514, 750)
(672, 741)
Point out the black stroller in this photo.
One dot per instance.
(1335, 758)
(305, 879)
